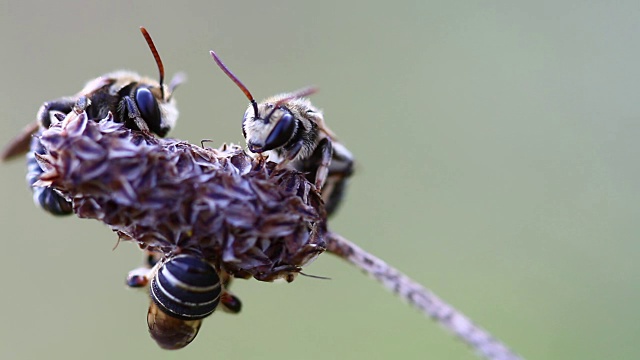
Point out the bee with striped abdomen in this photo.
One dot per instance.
(139, 102)
(184, 290)
(290, 131)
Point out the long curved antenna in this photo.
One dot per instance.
(156, 56)
(298, 94)
(237, 81)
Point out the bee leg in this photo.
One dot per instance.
(138, 277)
(45, 197)
(81, 104)
(63, 105)
(292, 152)
(134, 114)
(326, 151)
(230, 303)
(152, 258)
(340, 169)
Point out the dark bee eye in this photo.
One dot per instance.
(281, 133)
(149, 109)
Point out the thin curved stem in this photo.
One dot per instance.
(421, 298)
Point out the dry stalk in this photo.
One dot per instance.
(421, 298)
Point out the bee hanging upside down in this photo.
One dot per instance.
(140, 103)
(290, 131)
(184, 290)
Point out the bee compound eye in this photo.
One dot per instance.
(281, 133)
(186, 287)
(149, 109)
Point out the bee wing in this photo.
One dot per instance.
(322, 125)
(20, 144)
(98, 83)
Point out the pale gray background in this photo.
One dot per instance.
(497, 148)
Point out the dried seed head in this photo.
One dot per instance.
(245, 216)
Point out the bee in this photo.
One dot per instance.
(290, 131)
(140, 103)
(184, 289)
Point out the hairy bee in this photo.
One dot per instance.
(139, 102)
(184, 289)
(290, 131)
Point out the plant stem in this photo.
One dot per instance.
(421, 298)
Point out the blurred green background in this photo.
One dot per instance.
(497, 147)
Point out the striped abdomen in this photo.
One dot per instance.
(186, 287)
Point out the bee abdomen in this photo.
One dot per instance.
(186, 287)
(45, 197)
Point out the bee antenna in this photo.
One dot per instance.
(315, 276)
(156, 56)
(235, 79)
(304, 92)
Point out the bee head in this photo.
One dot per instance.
(272, 128)
(157, 107)
(272, 123)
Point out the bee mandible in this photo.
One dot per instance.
(141, 103)
(290, 131)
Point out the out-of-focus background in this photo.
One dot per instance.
(497, 147)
